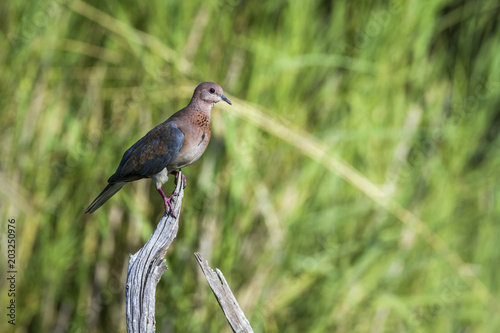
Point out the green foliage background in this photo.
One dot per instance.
(353, 186)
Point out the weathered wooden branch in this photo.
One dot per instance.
(224, 295)
(146, 267)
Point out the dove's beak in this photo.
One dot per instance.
(224, 98)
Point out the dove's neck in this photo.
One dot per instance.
(201, 107)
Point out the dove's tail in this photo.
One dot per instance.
(107, 193)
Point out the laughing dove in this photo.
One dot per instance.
(170, 146)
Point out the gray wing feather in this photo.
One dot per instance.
(151, 154)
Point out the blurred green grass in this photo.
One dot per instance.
(402, 95)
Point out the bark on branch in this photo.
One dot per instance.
(146, 267)
(224, 295)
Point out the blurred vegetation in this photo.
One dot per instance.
(353, 186)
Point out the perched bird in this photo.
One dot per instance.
(175, 143)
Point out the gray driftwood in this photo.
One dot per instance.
(225, 297)
(146, 267)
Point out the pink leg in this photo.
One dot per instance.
(176, 173)
(166, 201)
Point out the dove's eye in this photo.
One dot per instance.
(212, 90)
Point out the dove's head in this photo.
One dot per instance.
(209, 93)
